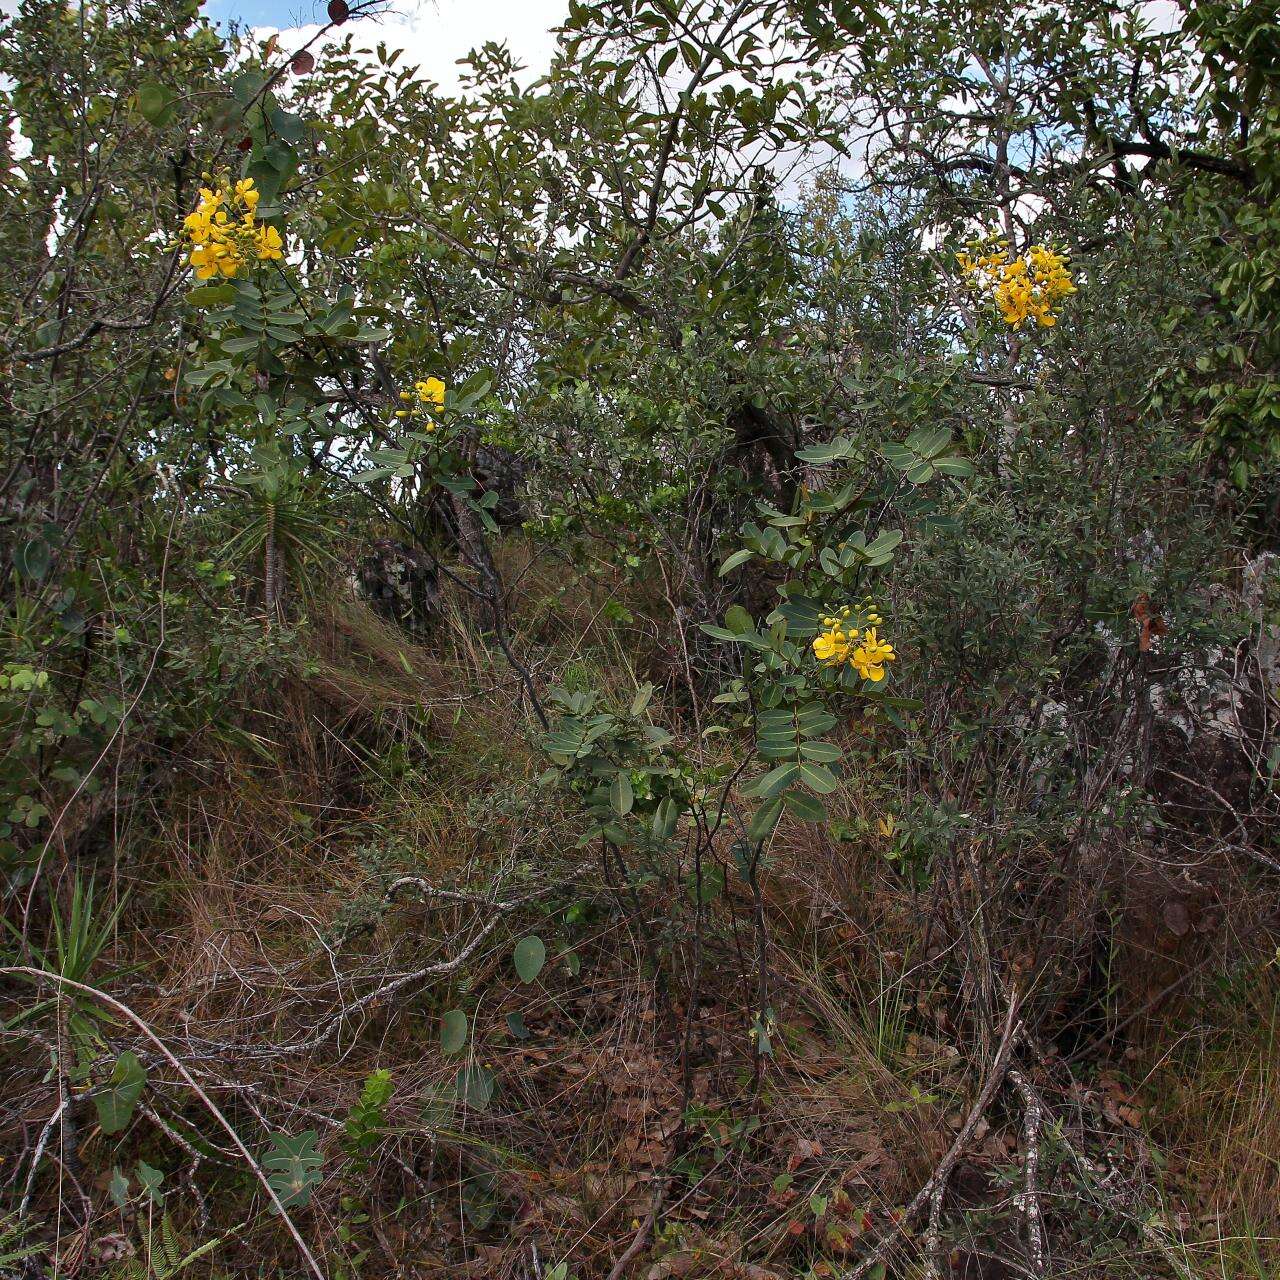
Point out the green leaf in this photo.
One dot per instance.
(665, 818)
(765, 819)
(515, 1024)
(118, 1188)
(453, 1031)
(884, 542)
(806, 807)
(293, 1167)
(823, 454)
(291, 127)
(801, 616)
(438, 1107)
(117, 1100)
(474, 1085)
(813, 720)
(775, 780)
(34, 559)
(739, 557)
(151, 1180)
(718, 633)
(711, 886)
(479, 1203)
(738, 620)
(621, 796)
(529, 957)
(819, 778)
(247, 85)
(155, 103)
(640, 703)
(211, 295)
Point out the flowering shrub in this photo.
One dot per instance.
(1027, 287)
(813, 651)
(224, 232)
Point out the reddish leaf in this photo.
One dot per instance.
(1177, 918)
(303, 63)
(802, 1151)
(1149, 621)
(338, 11)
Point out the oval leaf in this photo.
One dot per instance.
(621, 796)
(474, 1085)
(120, 1096)
(530, 955)
(453, 1031)
(155, 104)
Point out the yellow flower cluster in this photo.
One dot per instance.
(1023, 288)
(224, 232)
(426, 397)
(840, 643)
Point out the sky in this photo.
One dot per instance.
(433, 33)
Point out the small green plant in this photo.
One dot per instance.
(367, 1119)
(80, 935)
(12, 1250)
(293, 1167)
(822, 642)
(632, 784)
(165, 1254)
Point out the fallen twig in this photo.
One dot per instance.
(1029, 1199)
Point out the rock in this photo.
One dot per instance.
(400, 584)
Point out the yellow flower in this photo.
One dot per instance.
(270, 246)
(224, 233)
(215, 258)
(871, 655)
(831, 645)
(431, 392)
(1023, 288)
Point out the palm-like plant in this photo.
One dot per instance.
(281, 526)
(79, 938)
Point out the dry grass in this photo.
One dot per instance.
(1213, 1087)
(256, 909)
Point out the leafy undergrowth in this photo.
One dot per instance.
(460, 1044)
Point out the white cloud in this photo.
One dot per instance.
(434, 34)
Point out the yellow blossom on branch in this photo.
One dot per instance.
(425, 400)
(431, 392)
(871, 655)
(224, 233)
(1027, 287)
(839, 643)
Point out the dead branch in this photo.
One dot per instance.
(1029, 1200)
(936, 1185)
